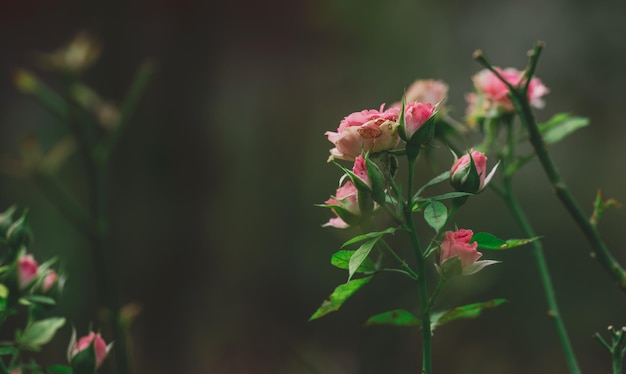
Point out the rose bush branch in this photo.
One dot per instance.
(370, 139)
(33, 289)
(524, 110)
(96, 126)
(491, 106)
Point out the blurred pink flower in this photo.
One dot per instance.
(430, 91)
(49, 280)
(491, 97)
(26, 270)
(100, 347)
(367, 130)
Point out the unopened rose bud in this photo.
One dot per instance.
(49, 280)
(469, 172)
(27, 269)
(82, 358)
(415, 115)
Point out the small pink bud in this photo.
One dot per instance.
(415, 115)
(100, 347)
(457, 243)
(26, 270)
(360, 170)
(464, 178)
(49, 280)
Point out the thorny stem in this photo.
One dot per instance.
(522, 105)
(542, 265)
(400, 261)
(422, 286)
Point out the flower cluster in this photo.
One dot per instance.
(375, 131)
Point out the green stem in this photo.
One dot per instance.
(435, 294)
(398, 259)
(617, 361)
(542, 265)
(66, 204)
(522, 105)
(544, 275)
(97, 180)
(422, 286)
(131, 101)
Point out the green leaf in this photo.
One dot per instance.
(359, 256)
(465, 311)
(5, 351)
(488, 241)
(560, 126)
(38, 299)
(445, 196)
(341, 259)
(397, 317)
(40, 332)
(339, 296)
(371, 235)
(59, 369)
(436, 215)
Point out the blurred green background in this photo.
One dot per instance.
(213, 184)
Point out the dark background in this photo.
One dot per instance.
(213, 184)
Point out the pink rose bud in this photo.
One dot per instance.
(346, 198)
(26, 270)
(49, 280)
(415, 115)
(457, 244)
(100, 347)
(360, 170)
(366, 131)
(466, 178)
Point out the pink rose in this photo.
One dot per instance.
(415, 115)
(26, 270)
(100, 347)
(457, 244)
(463, 178)
(346, 198)
(368, 130)
(493, 93)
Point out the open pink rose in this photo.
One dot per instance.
(415, 115)
(365, 131)
(491, 97)
(100, 347)
(26, 270)
(457, 244)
